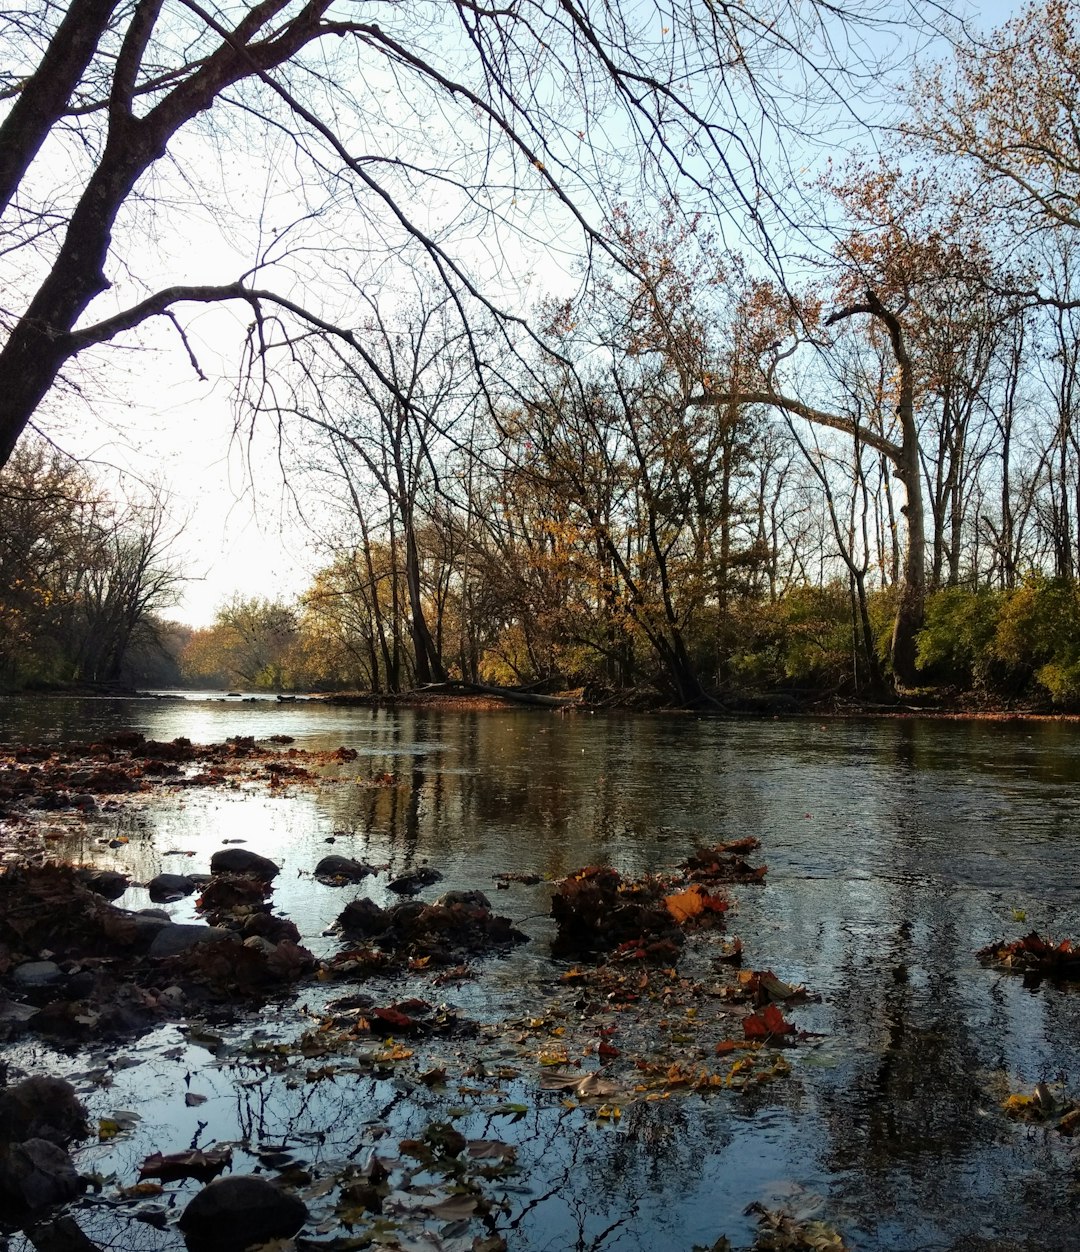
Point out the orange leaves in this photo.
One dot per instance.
(770, 1022)
(694, 902)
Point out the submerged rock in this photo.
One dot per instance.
(417, 880)
(108, 883)
(166, 887)
(473, 899)
(241, 861)
(233, 1213)
(342, 868)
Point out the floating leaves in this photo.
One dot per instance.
(1034, 957)
(196, 1163)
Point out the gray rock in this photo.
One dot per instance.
(172, 939)
(170, 887)
(343, 867)
(241, 861)
(233, 1213)
(36, 1174)
(41, 1108)
(37, 974)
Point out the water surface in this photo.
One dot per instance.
(895, 850)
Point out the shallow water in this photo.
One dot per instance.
(895, 850)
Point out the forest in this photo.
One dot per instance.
(846, 465)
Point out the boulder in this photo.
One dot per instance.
(37, 974)
(233, 1213)
(173, 938)
(170, 887)
(342, 868)
(36, 1174)
(41, 1108)
(241, 861)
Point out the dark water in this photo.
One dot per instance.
(895, 850)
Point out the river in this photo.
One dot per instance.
(895, 850)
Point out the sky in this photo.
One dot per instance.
(157, 423)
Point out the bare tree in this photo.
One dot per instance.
(510, 117)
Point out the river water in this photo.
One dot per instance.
(896, 849)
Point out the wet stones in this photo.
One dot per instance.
(39, 1117)
(241, 861)
(233, 1213)
(441, 932)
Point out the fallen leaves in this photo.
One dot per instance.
(695, 902)
(1034, 957)
(200, 1164)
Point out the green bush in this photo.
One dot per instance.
(955, 646)
(1024, 642)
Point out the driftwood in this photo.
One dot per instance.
(502, 693)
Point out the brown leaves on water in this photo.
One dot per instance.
(1034, 957)
(724, 863)
(768, 1024)
(201, 1164)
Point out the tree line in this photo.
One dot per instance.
(84, 578)
(841, 456)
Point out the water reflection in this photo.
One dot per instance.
(896, 849)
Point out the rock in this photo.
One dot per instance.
(269, 927)
(109, 883)
(170, 887)
(62, 1235)
(37, 974)
(342, 867)
(241, 861)
(147, 923)
(233, 1213)
(172, 939)
(36, 1174)
(363, 917)
(14, 1017)
(41, 1108)
(410, 884)
(475, 899)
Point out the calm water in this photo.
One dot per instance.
(895, 850)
